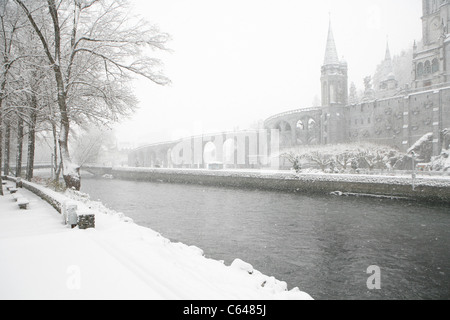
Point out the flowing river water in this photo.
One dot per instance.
(322, 244)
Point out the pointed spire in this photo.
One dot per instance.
(331, 56)
(388, 52)
(388, 68)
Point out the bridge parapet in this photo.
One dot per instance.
(296, 112)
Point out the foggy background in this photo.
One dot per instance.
(234, 63)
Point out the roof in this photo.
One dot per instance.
(331, 55)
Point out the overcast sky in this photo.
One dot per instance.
(235, 62)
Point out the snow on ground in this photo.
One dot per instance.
(41, 258)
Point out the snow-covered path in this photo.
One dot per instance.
(41, 258)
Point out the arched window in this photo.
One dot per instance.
(300, 125)
(332, 94)
(325, 94)
(311, 124)
(427, 68)
(288, 127)
(435, 66)
(420, 70)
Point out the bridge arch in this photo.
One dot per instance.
(229, 152)
(209, 153)
(298, 127)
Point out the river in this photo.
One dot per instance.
(322, 244)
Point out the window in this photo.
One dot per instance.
(427, 68)
(288, 127)
(300, 125)
(435, 66)
(420, 70)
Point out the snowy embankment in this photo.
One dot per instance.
(41, 258)
(426, 188)
(405, 179)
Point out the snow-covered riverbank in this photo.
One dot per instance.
(41, 258)
(423, 188)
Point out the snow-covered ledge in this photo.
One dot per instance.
(55, 199)
(84, 219)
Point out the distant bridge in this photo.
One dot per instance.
(40, 165)
(237, 149)
(96, 170)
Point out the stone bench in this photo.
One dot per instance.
(23, 203)
(13, 190)
(15, 196)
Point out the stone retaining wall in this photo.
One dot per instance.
(83, 220)
(51, 200)
(425, 189)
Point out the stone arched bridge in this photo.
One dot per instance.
(240, 149)
(298, 127)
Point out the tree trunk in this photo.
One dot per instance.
(31, 139)
(71, 172)
(19, 148)
(6, 168)
(1, 142)
(30, 153)
(56, 167)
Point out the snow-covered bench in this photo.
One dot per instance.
(13, 190)
(23, 203)
(15, 196)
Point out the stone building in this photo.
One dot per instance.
(387, 114)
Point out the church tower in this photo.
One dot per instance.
(334, 75)
(431, 61)
(387, 80)
(334, 85)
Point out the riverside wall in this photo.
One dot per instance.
(425, 188)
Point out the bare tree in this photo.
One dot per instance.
(344, 158)
(294, 159)
(10, 24)
(93, 49)
(323, 160)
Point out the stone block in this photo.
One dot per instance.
(86, 220)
